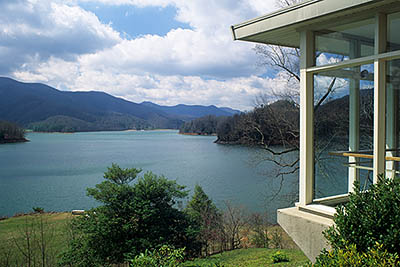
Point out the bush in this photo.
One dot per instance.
(367, 228)
(166, 256)
(38, 210)
(279, 257)
(351, 257)
(369, 217)
(133, 218)
(259, 226)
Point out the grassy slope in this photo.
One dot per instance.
(252, 257)
(13, 232)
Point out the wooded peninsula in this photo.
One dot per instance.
(11, 133)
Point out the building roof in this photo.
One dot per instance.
(282, 27)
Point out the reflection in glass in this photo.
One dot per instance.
(343, 121)
(392, 116)
(393, 32)
(352, 40)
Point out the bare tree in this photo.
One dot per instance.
(6, 253)
(233, 221)
(285, 125)
(34, 243)
(259, 225)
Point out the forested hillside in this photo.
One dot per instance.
(190, 112)
(11, 133)
(266, 123)
(43, 108)
(278, 123)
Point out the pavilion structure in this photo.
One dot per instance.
(350, 67)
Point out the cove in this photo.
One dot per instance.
(53, 170)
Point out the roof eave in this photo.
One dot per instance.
(265, 29)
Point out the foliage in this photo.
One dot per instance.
(276, 239)
(205, 214)
(10, 132)
(262, 126)
(206, 125)
(38, 210)
(279, 256)
(370, 217)
(164, 257)
(111, 122)
(118, 176)
(259, 226)
(133, 218)
(350, 256)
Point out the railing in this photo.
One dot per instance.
(365, 154)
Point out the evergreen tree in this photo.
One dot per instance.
(133, 218)
(206, 215)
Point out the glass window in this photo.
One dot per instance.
(348, 41)
(393, 32)
(392, 117)
(343, 122)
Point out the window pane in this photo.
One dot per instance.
(393, 32)
(343, 121)
(392, 116)
(352, 40)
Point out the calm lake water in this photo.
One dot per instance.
(53, 170)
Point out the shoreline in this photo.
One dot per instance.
(128, 130)
(14, 141)
(199, 134)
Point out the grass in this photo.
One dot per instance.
(251, 257)
(13, 225)
(15, 231)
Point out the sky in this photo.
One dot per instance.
(165, 51)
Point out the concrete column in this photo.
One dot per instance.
(379, 97)
(307, 59)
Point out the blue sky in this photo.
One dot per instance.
(136, 21)
(164, 51)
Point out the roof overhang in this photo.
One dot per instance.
(283, 27)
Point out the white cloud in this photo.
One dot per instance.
(72, 50)
(237, 92)
(38, 30)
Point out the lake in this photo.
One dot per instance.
(53, 170)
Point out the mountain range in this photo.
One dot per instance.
(40, 107)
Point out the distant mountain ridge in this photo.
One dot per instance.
(43, 108)
(190, 112)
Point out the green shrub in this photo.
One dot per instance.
(279, 257)
(164, 257)
(369, 217)
(38, 210)
(351, 257)
(134, 217)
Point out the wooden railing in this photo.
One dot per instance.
(363, 154)
(366, 154)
